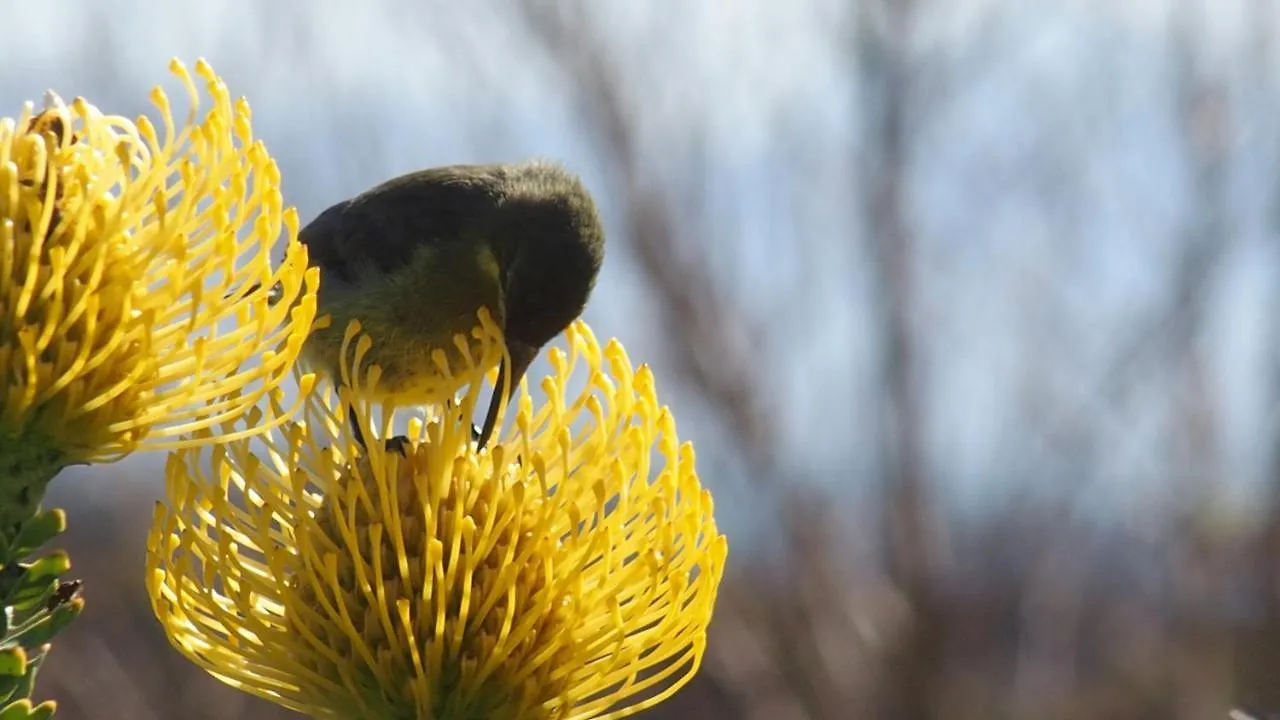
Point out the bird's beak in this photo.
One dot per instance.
(522, 355)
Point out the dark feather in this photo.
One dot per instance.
(382, 228)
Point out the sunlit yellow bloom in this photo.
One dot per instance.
(120, 247)
(569, 571)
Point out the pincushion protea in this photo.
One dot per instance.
(568, 571)
(125, 319)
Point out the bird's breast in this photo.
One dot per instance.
(409, 315)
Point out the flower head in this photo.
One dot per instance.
(569, 571)
(126, 319)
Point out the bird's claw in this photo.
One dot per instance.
(399, 444)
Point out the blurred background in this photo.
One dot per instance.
(966, 305)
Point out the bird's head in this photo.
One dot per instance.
(549, 244)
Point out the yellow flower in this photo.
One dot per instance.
(126, 319)
(569, 571)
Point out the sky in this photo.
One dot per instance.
(1048, 189)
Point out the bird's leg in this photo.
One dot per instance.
(449, 405)
(354, 421)
(399, 443)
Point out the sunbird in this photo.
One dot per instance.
(416, 257)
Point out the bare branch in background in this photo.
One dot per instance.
(706, 340)
(1024, 608)
(701, 328)
(880, 51)
(1199, 574)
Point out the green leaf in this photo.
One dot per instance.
(22, 710)
(33, 595)
(9, 686)
(10, 576)
(51, 565)
(26, 585)
(37, 531)
(39, 581)
(64, 615)
(17, 710)
(45, 628)
(27, 683)
(13, 662)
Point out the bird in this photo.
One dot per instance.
(414, 258)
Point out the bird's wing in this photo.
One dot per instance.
(381, 229)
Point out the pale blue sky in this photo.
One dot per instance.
(1047, 190)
